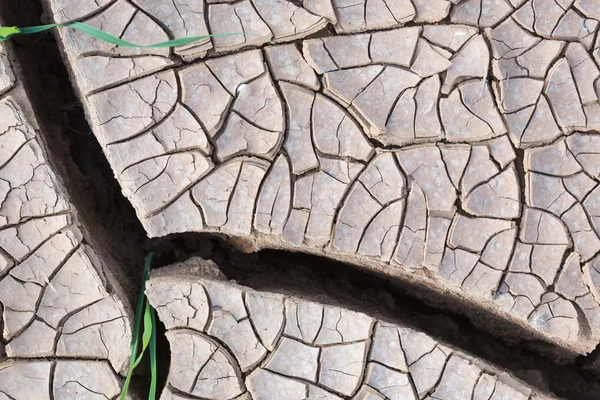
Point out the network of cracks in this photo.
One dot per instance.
(388, 148)
(449, 143)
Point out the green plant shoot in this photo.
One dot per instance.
(8, 32)
(143, 310)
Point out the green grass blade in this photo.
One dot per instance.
(99, 34)
(146, 334)
(8, 31)
(37, 29)
(139, 312)
(153, 366)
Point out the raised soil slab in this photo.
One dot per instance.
(460, 155)
(65, 331)
(231, 342)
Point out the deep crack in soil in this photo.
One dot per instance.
(118, 236)
(107, 218)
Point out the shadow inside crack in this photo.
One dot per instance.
(330, 282)
(140, 381)
(107, 217)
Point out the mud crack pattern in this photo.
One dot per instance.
(461, 154)
(65, 332)
(231, 342)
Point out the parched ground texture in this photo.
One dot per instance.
(228, 341)
(65, 329)
(458, 151)
(450, 144)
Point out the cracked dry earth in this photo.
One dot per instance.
(65, 327)
(458, 152)
(450, 145)
(228, 341)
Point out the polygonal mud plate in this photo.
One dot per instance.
(65, 328)
(461, 155)
(228, 341)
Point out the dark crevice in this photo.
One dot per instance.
(141, 384)
(163, 357)
(391, 300)
(106, 217)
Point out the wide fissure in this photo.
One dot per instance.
(325, 281)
